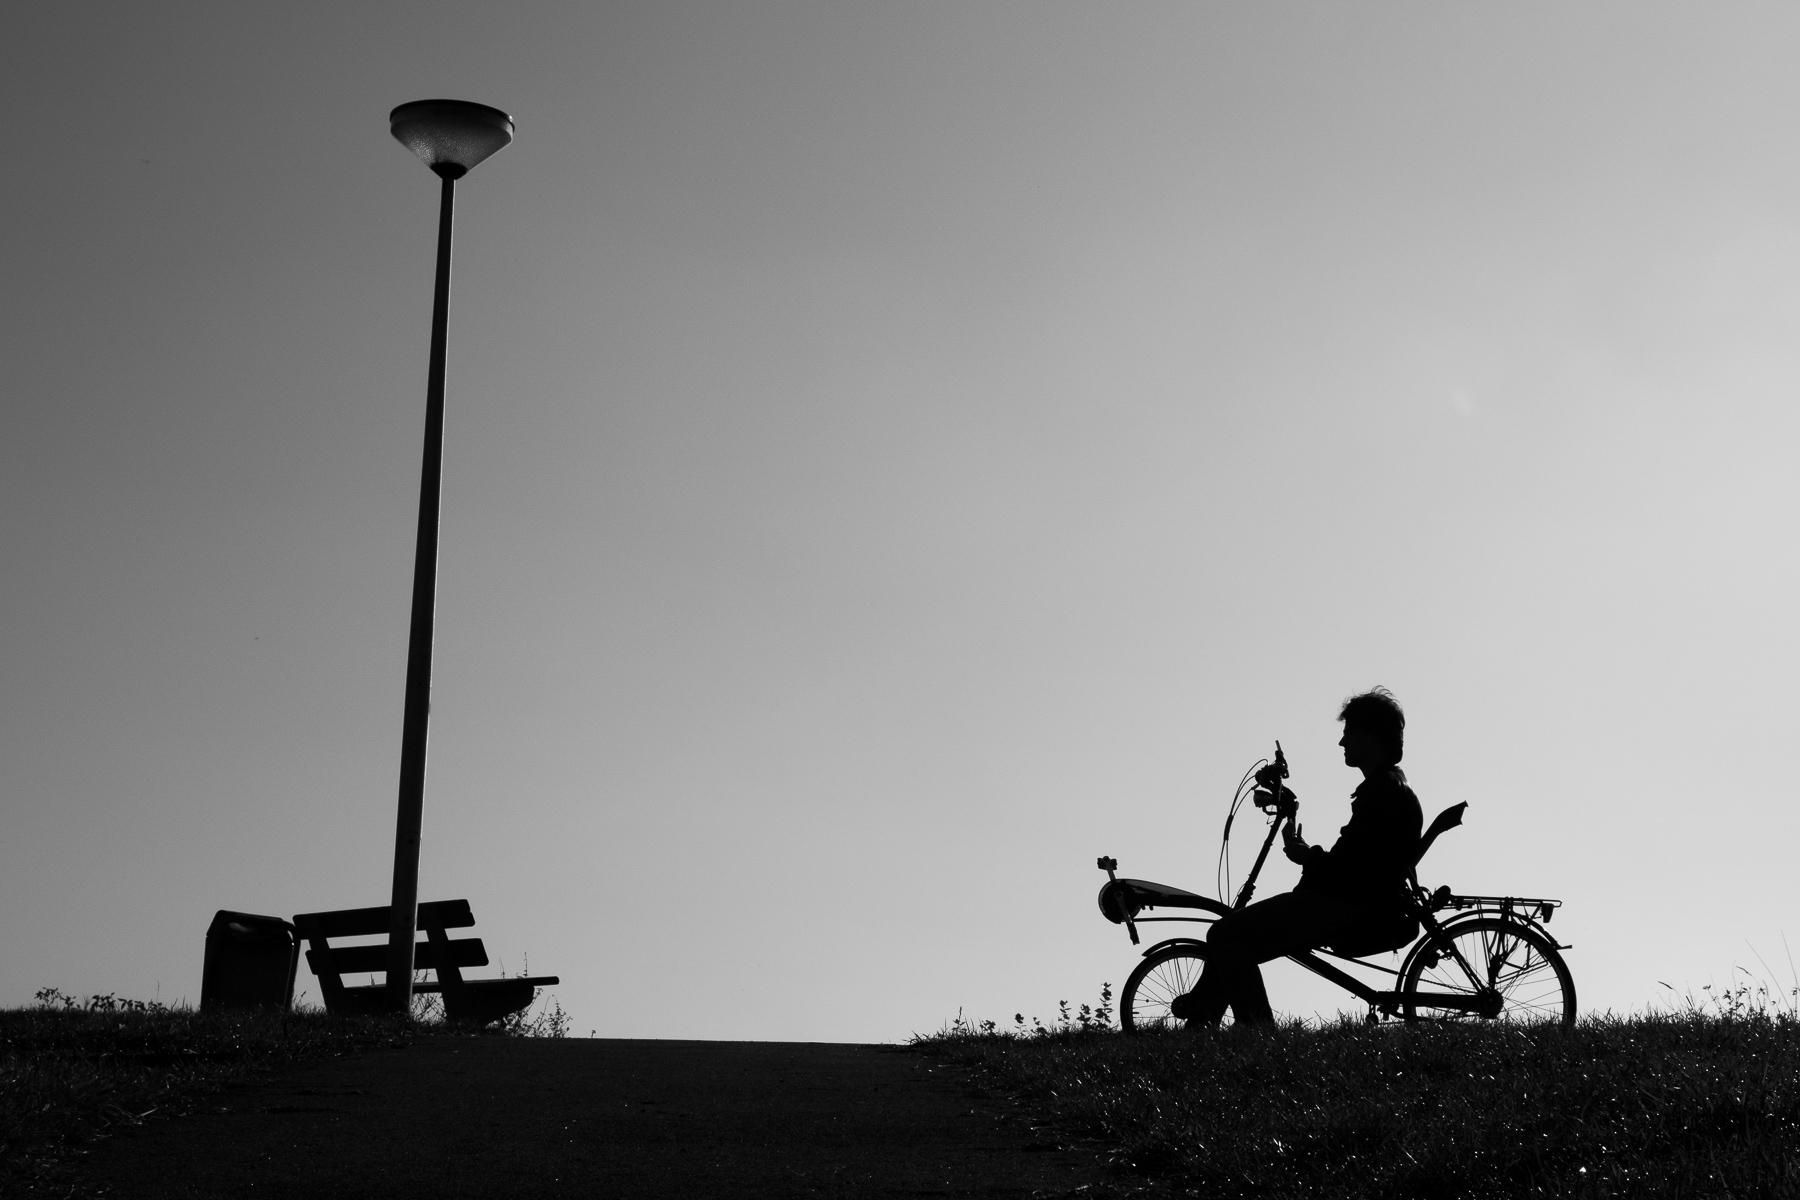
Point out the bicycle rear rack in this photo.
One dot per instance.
(1530, 908)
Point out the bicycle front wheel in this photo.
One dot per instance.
(1170, 972)
(1517, 976)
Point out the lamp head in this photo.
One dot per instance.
(451, 136)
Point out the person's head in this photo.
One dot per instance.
(1374, 730)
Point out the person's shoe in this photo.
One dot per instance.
(1185, 1007)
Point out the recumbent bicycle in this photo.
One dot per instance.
(1491, 960)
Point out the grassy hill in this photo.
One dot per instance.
(1663, 1105)
(73, 1073)
(1684, 1104)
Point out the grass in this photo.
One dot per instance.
(73, 1072)
(1703, 1100)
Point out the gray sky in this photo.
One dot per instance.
(896, 453)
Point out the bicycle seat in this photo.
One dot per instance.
(1450, 818)
(1392, 930)
(1376, 935)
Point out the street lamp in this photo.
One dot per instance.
(452, 137)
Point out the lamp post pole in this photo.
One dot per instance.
(415, 731)
(451, 136)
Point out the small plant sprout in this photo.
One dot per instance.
(1085, 1019)
(535, 1020)
(56, 998)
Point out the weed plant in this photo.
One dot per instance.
(1747, 998)
(1084, 1020)
(542, 1018)
(1704, 1101)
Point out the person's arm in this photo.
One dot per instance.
(1293, 845)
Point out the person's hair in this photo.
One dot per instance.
(1377, 712)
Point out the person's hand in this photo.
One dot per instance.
(1293, 845)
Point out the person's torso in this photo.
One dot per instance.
(1374, 852)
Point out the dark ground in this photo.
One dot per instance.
(449, 1117)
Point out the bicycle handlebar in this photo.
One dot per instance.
(1273, 797)
(1275, 772)
(1282, 806)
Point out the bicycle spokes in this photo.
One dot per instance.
(1489, 968)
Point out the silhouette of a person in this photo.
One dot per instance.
(1358, 880)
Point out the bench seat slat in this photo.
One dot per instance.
(477, 984)
(355, 960)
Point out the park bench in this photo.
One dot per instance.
(477, 1001)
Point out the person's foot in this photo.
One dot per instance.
(1185, 1007)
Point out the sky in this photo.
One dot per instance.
(895, 454)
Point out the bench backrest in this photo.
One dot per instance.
(363, 922)
(438, 953)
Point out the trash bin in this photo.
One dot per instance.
(250, 962)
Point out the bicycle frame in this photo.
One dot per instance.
(1379, 1000)
(1484, 1002)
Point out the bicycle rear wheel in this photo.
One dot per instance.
(1170, 972)
(1519, 976)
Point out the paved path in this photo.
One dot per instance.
(464, 1117)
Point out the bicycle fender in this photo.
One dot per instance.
(1448, 930)
(1418, 949)
(1445, 930)
(1167, 942)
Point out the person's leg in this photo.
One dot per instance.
(1230, 978)
(1255, 935)
(1238, 943)
(1250, 1003)
(1221, 979)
